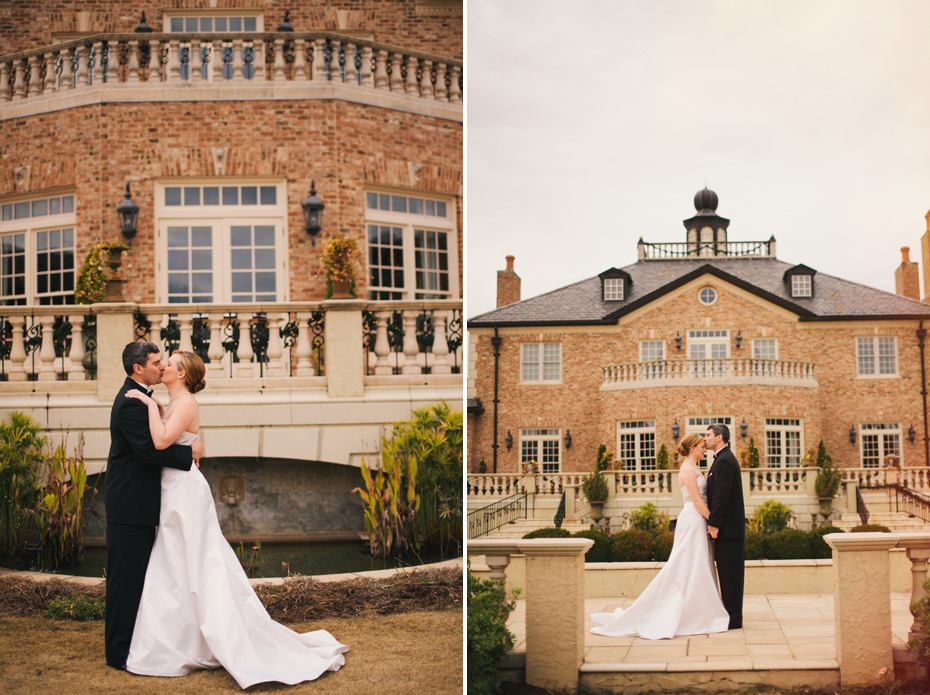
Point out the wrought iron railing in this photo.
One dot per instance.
(862, 510)
(560, 513)
(402, 337)
(908, 501)
(726, 249)
(487, 519)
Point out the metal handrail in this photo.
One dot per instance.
(487, 519)
(861, 508)
(560, 513)
(915, 504)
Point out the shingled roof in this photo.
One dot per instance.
(581, 303)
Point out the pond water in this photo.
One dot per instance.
(277, 559)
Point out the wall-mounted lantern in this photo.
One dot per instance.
(128, 213)
(508, 440)
(678, 341)
(911, 434)
(739, 339)
(568, 439)
(852, 434)
(313, 213)
(743, 428)
(676, 430)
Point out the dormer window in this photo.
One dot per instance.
(800, 281)
(615, 285)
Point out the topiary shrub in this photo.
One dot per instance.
(772, 516)
(600, 551)
(77, 607)
(756, 546)
(819, 550)
(790, 544)
(649, 519)
(489, 640)
(870, 528)
(549, 532)
(631, 546)
(662, 545)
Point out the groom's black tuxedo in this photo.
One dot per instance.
(132, 497)
(727, 513)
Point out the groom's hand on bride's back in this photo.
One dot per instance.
(197, 451)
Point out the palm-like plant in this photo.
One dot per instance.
(21, 446)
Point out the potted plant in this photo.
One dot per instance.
(339, 256)
(91, 287)
(594, 487)
(662, 458)
(826, 485)
(753, 454)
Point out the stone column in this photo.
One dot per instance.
(917, 546)
(862, 605)
(114, 332)
(555, 611)
(345, 372)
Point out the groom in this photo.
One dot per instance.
(726, 522)
(132, 495)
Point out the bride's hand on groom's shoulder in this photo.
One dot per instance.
(139, 396)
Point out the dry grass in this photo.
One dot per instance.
(389, 655)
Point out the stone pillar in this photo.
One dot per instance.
(114, 332)
(508, 285)
(345, 371)
(862, 605)
(555, 611)
(907, 276)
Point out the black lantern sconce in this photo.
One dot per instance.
(911, 434)
(568, 439)
(743, 428)
(852, 434)
(508, 440)
(677, 346)
(313, 213)
(739, 342)
(143, 28)
(286, 24)
(128, 213)
(676, 430)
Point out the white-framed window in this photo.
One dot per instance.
(221, 240)
(540, 363)
(412, 246)
(877, 356)
(651, 350)
(801, 286)
(698, 425)
(543, 447)
(37, 250)
(613, 289)
(708, 344)
(707, 296)
(765, 348)
(878, 441)
(210, 21)
(783, 442)
(636, 445)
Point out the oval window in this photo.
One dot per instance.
(708, 295)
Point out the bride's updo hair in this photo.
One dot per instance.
(194, 371)
(690, 441)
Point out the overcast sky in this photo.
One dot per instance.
(593, 123)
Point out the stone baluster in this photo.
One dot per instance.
(173, 69)
(300, 61)
(276, 365)
(367, 77)
(217, 60)
(112, 72)
(76, 354)
(50, 86)
(67, 74)
(279, 75)
(382, 346)
(397, 79)
(426, 80)
(33, 76)
(381, 75)
(155, 74)
(98, 63)
(215, 352)
(185, 327)
(351, 73)
(412, 84)
(918, 552)
(4, 81)
(411, 347)
(258, 60)
(442, 93)
(319, 60)
(303, 348)
(46, 366)
(19, 79)
(455, 93)
(196, 74)
(82, 75)
(237, 60)
(440, 344)
(132, 67)
(17, 349)
(245, 353)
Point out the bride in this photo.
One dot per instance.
(682, 599)
(198, 609)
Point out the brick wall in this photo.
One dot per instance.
(577, 404)
(344, 146)
(31, 24)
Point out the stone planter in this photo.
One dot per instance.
(342, 289)
(114, 289)
(826, 507)
(597, 511)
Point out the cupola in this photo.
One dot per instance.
(707, 231)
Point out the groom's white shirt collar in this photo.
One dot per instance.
(145, 389)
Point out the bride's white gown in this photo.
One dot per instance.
(683, 598)
(198, 609)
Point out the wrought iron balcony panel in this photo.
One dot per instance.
(685, 372)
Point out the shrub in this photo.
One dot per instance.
(756, 546)
(662, 458)
(649, 519)
(819, 550)
(601, 550)
(662, 545)
(753, 455)
(77, 607)
(631, 546)
(594, 487)
(488, 637)
(828, 478)
(21, 445)
(870, 528)
(604, 458)
(772, 516)
(920, 645)
(549, 532)
(789, 544)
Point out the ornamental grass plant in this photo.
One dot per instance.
(21, 456)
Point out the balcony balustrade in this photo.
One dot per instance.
(685, 372)
(120, 65)
(694, 250)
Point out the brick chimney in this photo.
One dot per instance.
(508, 285)
(907, 276)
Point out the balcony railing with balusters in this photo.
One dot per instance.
(682, 372)
(410, 338)
(113, 67)
(694, 250)
(47, 343)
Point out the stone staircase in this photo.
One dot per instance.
(898, 522)
(521, 527)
